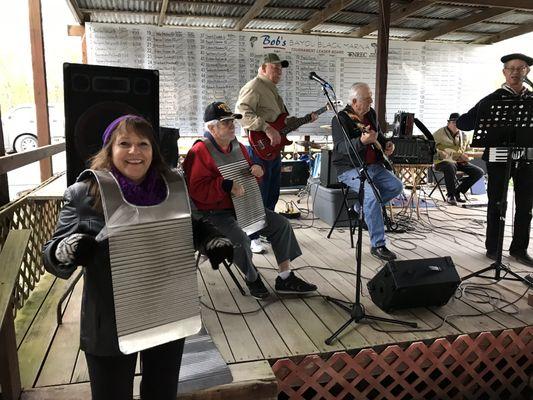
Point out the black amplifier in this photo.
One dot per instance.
(413, 150)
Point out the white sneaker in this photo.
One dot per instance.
(257, 246)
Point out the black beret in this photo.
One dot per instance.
(517, 56)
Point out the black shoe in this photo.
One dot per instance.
(458, 198)
(383, 253)
(523, 257)
(257, 288)
(293, 284)
(450, 199)
(491, 255)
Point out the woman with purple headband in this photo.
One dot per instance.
(130, 153)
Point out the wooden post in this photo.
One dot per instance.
(382, 61)
(39, 83)
(4, 185)
(79, 30)
(9, 362)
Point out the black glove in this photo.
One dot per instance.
(77, 249)
(219, 249)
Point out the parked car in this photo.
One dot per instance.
(20, 127)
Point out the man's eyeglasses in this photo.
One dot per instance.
(227, 122)
(515, 69)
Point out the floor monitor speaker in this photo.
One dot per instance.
(414, 283)
(94, 96)
(294, 173)
(328, 172)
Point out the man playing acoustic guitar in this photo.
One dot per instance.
(361, 125)
(259, 102)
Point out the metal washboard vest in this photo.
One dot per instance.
(249, 209)
(153, 271)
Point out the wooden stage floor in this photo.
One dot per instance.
(247, 330)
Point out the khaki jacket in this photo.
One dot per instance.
(449, 147)
(259, 101)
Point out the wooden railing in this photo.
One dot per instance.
(11, 257)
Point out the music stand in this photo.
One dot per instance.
(504, 124)
(356, 310)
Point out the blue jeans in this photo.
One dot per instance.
(388, 186)
(271, 180)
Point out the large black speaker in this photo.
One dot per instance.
(414, 283)
(294, 173)
(96, 95)
(328, 172)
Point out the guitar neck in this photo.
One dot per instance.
(295, 124)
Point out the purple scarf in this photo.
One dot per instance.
(151, 191)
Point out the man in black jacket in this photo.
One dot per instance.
(516, 68)
(360, 122)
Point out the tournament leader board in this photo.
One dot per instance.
(200, 66)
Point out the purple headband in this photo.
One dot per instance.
(113, 125)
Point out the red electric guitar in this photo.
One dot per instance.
(261, 143)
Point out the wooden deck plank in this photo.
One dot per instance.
(267, 337)
(61, 358)
(34, 347)
(212, 324)
(81, 373)
(241, 341)
(26, 314)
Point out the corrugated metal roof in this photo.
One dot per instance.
(267, 24)
(284, 13)
(514, 18)
(202, 22)
(445, 12)
(350, 17)
(297, 3)
(333, 28)
(112, 17)
(364, 6)
(289, 15)
(485, 27)
(459, 37)
(126, 5)
(419, 23)
(205, 9)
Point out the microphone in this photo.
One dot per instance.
(323, 82)
(526, 80)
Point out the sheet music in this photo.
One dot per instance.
(200, 66)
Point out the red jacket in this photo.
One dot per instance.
(207, 188)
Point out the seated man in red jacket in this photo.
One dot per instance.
(212, 194)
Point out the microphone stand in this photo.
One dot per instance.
(356, 310)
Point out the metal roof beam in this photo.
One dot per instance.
(451, 26)
(162, 13)
(330, 9)
(397, 15)
(252, 12)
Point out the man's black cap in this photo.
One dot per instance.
(453, 117)
(517, 56)
(220, 111)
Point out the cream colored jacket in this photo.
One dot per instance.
(449, 147)
(259, 101)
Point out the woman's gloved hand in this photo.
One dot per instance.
(219, 249)
(77, 248)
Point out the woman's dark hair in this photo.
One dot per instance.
(103, 160)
